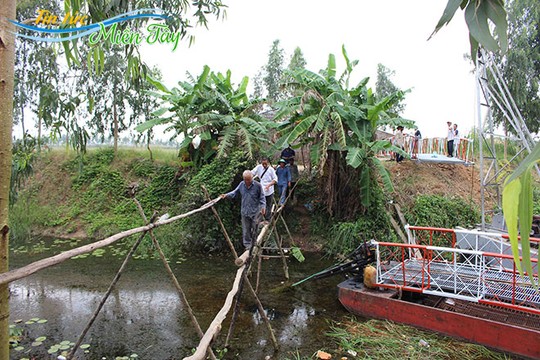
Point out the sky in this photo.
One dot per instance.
(391, 32)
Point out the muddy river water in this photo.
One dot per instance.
(144, 318)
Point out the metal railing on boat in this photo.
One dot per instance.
(461, 264)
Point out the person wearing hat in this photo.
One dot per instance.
(450, 139)
(399, 141)
(284, 180)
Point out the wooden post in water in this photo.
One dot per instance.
(109, 290)
(174, 279)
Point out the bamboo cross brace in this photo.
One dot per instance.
(36, 266)
(181, 292)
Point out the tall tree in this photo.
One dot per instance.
(297, 60)
(258, 85)
(521, 64)
(385, 87)
(340, 124)
(212, 112)
(109, 90)
(274, 72)
(36, 73)
(7, 62)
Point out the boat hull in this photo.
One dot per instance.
(379, 304)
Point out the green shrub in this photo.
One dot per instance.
(344, 237)
(202, 231)
(439, 211)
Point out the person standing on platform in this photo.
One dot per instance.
(284, 180)
(268, 178)
(417, 144)
(450, 139)
(456, 141)
(399, 141)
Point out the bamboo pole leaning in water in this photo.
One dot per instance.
(215, 326)
(66, 255)
(181, 292)
(250, 287)
(223, 230)
(108, 292)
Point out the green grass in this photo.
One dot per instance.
(376, 339)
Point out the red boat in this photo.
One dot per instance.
(461, 283)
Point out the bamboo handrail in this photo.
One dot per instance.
(36, 266)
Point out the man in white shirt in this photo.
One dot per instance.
(456, 141)
(450, 139)
(268, 178)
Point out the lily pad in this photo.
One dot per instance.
(64, 347)
(65, 342)
(18, 321)
(85, 346)
(42, 321)
(30, 322)
(53, 349)
(19, 348)
(41, 338)
(37, 343)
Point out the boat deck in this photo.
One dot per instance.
(462, 279)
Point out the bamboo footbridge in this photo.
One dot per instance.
(244, 263)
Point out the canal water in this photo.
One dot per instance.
(144, 318)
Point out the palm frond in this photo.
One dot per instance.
(246, 140)
(322, 118)
(323, 150)
(253, 125)
(302, 128)
(338, 128)
(226, 141)
(384, 175)
(365, 186)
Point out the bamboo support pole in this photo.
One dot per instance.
(66, 255)
(286, 228)
(259, 267)
(283, 257)
(237, 300)
(263, 314)
(218, 218)
(215, 326)
(253, 292)
(179, 289)
(106, 296)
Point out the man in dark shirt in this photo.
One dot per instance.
(253, 202)
(287, 153)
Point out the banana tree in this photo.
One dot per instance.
(340, 124)
(210, 115)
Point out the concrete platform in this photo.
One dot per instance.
(440, 159)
